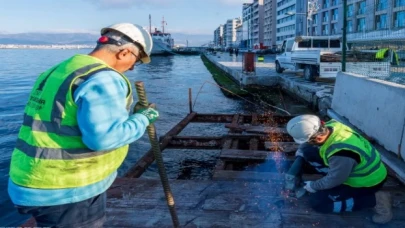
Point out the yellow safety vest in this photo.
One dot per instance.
(370, 171)
(381, 53)
(49, 152)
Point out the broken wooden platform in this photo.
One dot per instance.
(135, 202)
(246, 188)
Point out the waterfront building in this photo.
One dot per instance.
(239, 36)
(375, 20)
(230, 32)
(219, 36)
(286, 22)
(247, 16)
(257, 23)
(269, 24)
(328, 20)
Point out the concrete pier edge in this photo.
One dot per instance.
(317, 95)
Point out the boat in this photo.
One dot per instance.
(186, 51)
(162, 41)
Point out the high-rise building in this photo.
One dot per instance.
(257, 23)
(219, 36)
(375, 19)
(328, 20)
(230, 32)
(286, 20)
(269, 27)
(247, 16)
(366, 19)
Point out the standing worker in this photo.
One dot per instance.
(76, 131)
(354, 173)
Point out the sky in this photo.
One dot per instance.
(200, 17)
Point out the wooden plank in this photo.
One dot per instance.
(195, 142)
(191, 218)
(288, 147)
(253, 144)
(220, 165)
(332, 221)
(257, 129)
(256, 176)
(148, 158)
(254, 119)
(253, 155)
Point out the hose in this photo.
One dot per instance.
(140, 90)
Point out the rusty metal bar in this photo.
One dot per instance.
(220, 165)
(140, 90)
(190, 100)
(247, 118)
(143, 163)
(193, 142)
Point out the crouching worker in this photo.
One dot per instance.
(354, 173)
(76, 130)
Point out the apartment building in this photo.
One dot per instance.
(230, 32)
(257, 23)
(239, 35)
(375, 19)
(285, 20)
(366, 19)
(328, 20)
(219, 36)
(247, 16)
(269, 24)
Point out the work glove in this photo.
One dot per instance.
(307, 187)
(138, 106)
(150, 112)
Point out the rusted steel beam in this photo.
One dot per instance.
(253, 144)
(213, 118)
(253, 155)
(143, 163)
(247, 118)
(254, 119)
(195, 142)
(220, 165)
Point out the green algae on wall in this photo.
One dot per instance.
(222, 79)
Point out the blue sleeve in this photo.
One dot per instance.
(102, 115)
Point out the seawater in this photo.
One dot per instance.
(166, 79)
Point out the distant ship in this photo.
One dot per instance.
(162, 41)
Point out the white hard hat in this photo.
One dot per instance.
(137, 34)
(303, 127)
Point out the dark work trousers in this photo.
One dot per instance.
(340, 198)
(88, 213)
(343, 198)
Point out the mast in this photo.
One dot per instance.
(163, 24)
(150, 24)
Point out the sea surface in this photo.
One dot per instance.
(166, 79)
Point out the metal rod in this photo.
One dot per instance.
(140, 90)
(190, 100)
(344, 41)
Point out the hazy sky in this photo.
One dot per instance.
(185, 16)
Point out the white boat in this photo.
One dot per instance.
(162, 41)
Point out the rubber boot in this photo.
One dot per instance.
(383, 208)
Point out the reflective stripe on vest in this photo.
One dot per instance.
(370, 170)
(359, 168)
(381, 53)
(49, 152)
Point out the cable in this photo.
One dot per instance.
(280, 109)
